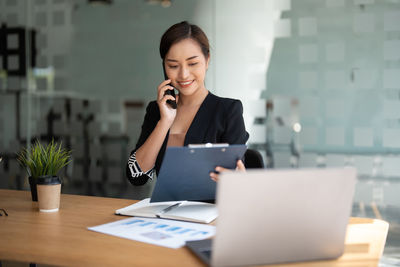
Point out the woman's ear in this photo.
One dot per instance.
(207, 62)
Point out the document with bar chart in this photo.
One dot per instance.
(167, 233)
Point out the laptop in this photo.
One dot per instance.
(185, 171)
(279, 216)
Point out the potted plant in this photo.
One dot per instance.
(42, 163)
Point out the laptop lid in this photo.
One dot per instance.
(276, 216)
(185, 171)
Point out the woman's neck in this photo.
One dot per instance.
(194, 99)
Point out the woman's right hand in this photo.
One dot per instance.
(215, 174)
(167, 113)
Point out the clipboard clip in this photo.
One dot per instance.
(208, 145)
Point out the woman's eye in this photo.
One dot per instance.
(173, 67)
(192, 64)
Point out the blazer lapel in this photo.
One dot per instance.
(197, 132)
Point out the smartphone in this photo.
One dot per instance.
(172, 103)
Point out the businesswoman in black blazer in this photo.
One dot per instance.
(200, 116)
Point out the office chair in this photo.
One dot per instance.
(253, 159)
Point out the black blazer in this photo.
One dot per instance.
(218, 120)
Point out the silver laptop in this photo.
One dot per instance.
(278, 216)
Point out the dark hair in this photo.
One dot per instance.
(180, 31)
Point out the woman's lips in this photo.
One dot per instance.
(184, 84)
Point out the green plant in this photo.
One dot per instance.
(42, 160)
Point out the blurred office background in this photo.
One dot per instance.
(319, 81)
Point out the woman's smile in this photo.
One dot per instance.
(185, 84)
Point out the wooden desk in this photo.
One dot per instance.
(62, 238)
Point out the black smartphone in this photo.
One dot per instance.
(172, 103)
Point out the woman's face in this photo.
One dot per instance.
(186, 66)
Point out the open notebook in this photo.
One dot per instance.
(176, 210)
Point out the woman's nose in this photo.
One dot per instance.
(183, 73)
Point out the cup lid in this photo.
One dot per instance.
(48, 180)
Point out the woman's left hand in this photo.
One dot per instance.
(215, 175)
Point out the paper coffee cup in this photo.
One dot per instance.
(49, 191)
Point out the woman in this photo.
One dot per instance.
(200, 117)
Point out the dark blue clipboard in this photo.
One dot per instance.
(185, 171)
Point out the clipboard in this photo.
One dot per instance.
(185, 171)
